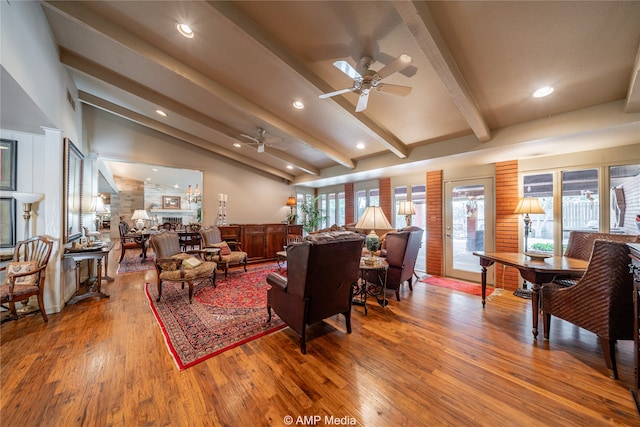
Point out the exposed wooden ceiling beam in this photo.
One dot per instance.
(92, 69)
(418, 19)
(229, 11)
(103, 104)
(633, 93)
(120, 35)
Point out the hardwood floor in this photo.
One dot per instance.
(435, 358)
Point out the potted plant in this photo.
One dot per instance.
(310, 214)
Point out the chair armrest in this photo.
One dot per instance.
(162, 263)
(277, 280)
(235, 246)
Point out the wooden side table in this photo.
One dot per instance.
(94, 284)
(378, 267)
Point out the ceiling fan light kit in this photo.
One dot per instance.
(368, 80)
(260, 141)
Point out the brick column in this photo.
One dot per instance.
(349, 208)
(435, 206)
(384, 186)
(507, 231)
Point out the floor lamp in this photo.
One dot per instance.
(407, 209)
(27, 199)
(526, 206)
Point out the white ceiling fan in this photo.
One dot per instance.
(261, 141)
(371, 80)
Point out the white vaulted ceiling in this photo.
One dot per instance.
(475, 66)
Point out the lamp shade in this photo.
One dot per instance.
(373, 219)
(529, 205)
(27, 197)
(140, 214)
(406, 208)
(291, 201)
(98, 206)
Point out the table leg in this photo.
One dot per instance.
(106, 268)
(484, 285)
(535, 308)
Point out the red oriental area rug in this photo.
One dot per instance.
(221, 318)
(456, 285)
(132, 261)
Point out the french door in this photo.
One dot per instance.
(469, 226)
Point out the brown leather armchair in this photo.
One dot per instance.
(321, 272)
(401, 252)
(599, 302)
(170, 263)
(230, 251)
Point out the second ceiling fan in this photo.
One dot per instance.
(371, 80)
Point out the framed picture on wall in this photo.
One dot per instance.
(8, 223)
(170, 202)
(8, 164)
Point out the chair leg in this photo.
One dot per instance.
(12, 309)
(410, 282)
(303, 342)
(122, 249)
(609, 351)
(245, 265)
(159, 290)
(398, 293)
(269, 311)
(42, 310)
(190, 291)
(347, 320)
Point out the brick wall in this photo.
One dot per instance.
(349, 207)
(433, 230)
(507, 223)
(384, 186)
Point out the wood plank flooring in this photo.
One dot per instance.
(435, 358)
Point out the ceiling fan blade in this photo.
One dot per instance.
(346, 68)
(250, 137)
(394, 89)
(397, 64)
(337, 92)
(362, 102)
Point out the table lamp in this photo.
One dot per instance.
(373, 218)
(407, 209)
(526, 206)
(140, 215)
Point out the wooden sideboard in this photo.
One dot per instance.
(260, 241)
(635, 269)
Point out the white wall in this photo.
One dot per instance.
(252, 197)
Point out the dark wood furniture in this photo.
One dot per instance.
(372, 281)
(130, 240)
(261, 242)
(93, 284)
(635, 268)
(536, 272)
(230, 252)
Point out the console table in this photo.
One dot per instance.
(92, 283)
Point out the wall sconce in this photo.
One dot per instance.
(195, 196)
(27, 199)
(407, 209)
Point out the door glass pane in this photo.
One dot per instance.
(331, 210)
(341, 209)
(541, 187)
(361, 203)
(418, 197)
(468, 226)
(625, 199)
(399, 195)
(580, 202)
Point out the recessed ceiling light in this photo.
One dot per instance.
(298, 104)
(185, 30)
(542, 92)
(176, 186)
(289, 167)
(360, 146)
(148, 179)
(154, 169)
(237, 144)
(161, 113)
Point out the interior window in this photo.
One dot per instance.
(540, 186)
(580, 202)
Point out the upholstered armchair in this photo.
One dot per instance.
(173, 265)
(321, 272)
(128, 242)
(401, 252)
(600, 302)
(25, 274)
(230, 251)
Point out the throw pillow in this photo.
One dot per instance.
(192, 262)
(224, 248)
(14, 268)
